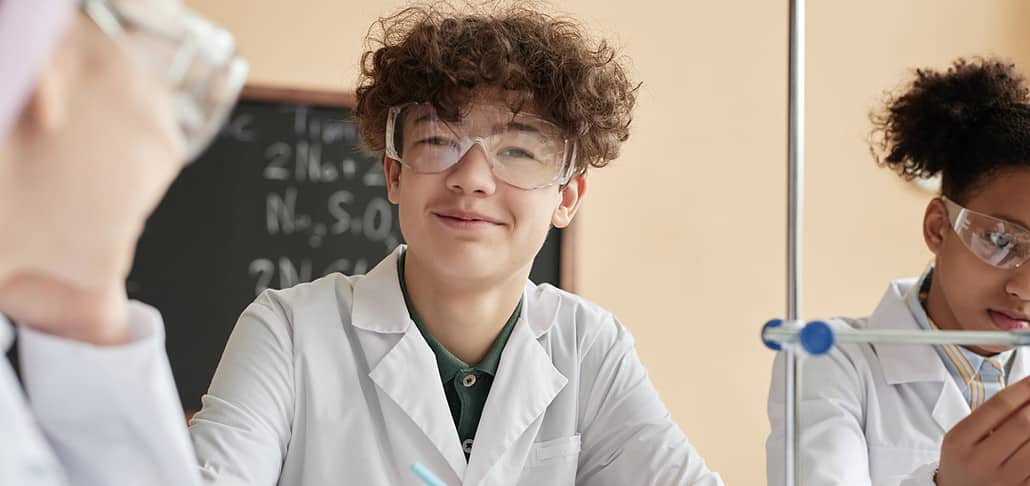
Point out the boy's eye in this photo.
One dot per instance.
(516, 153)
(438, 142)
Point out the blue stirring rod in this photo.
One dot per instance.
(426, 475)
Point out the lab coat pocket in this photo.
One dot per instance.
(552, 462)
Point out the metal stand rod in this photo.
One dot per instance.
(790, 408)
(795, 216)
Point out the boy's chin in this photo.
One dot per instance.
(463, 264)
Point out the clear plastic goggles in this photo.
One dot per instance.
(995, 241)
(196, 59)
(523, 150)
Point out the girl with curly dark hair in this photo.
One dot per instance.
(445, 354)
(946, 415)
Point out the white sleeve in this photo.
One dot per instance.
(243, 430)
(627, 433)
(833, 450)
(110, 413)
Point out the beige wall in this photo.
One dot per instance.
(858, 51)
(683, 237)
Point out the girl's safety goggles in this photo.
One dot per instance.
(195, 59)
(997, 242)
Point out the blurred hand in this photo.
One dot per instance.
(95, 315)
(992, 445)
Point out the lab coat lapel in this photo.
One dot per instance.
(911, 363)
(526, 384)
(1020, 365)
(407, 373)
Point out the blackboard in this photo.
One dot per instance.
(283, 195)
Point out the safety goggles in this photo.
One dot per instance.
(523, 150)
(195, 59)
(997, 242)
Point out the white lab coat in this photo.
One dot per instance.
(96, 416)
(872, 413)
(332, 383)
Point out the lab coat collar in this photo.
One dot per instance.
(6, 334)
(540, 309)
(409, 376)
(911, 363)
(1020, 365)
(525, 385)
(903, 363)
(379, 303)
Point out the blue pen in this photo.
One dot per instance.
(426, 475)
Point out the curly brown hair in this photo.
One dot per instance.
(966, 123)
(441, 54)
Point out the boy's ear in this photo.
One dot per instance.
(392, 169)
(571, 196)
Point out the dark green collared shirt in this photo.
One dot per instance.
(465, 386)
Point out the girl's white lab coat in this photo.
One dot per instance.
(872, 413)
(97, 416)
(332, 383)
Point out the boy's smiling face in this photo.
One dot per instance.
(468, 225)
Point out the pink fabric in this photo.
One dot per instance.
(29, 31)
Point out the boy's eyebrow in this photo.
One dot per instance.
(520, 126)
(510, 125)
(424, 118)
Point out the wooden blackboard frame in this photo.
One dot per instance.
(346, 99)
